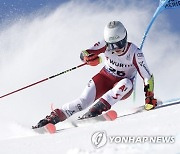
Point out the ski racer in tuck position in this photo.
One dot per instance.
(115, 80)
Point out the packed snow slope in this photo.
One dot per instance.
(152, 124)
(44, 43)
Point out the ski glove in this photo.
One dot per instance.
(90, 59)
(150, 101)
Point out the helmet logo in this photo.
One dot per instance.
(113, 38)
(112, 24)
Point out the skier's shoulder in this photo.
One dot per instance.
(97, 48)
(99, 45)
(133, 46)
(137, 52)
(135, 49)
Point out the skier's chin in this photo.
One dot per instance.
(120, 52)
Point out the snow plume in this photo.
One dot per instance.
(43, 44)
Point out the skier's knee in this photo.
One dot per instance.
(123, 87)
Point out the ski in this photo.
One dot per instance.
(159, 106)
(110, 115)
(136, 110)
(49, 128)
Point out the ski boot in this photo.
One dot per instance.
(97, 109)
(56, 116)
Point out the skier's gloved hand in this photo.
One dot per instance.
(90, 59)
(150, 101)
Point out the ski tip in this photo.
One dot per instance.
(50, 128)
(111, 115)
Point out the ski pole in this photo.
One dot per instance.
(51, 77)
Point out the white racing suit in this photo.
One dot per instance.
(115, 81)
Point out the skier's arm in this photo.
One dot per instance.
(90, 56)
(140, 63)
(143, 70)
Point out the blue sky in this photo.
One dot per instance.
(13, 8)
(10, 8)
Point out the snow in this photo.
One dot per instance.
(155, 123)
(41, 45)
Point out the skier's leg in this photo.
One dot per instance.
(81, 103)
(68, 109)
(96, 87)
(120, 91)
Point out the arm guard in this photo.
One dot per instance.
(150, 85)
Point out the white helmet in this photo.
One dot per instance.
(115, 34)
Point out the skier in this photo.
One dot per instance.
(115, 80)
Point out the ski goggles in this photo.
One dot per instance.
(118, 45)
